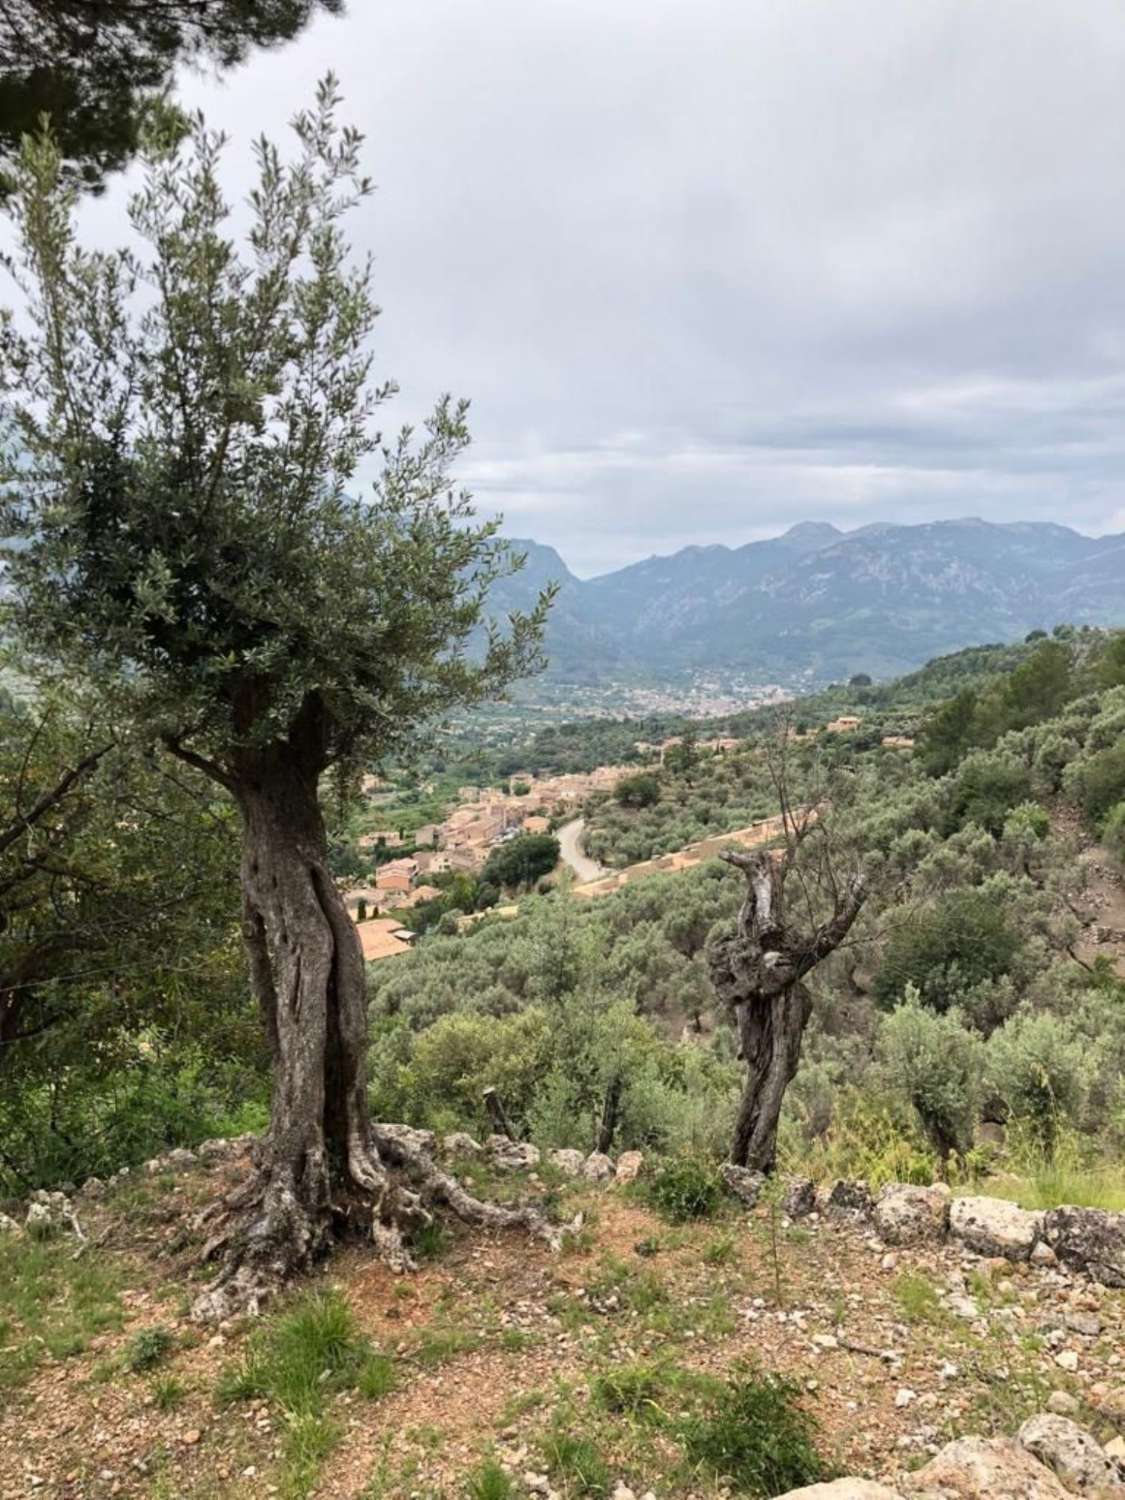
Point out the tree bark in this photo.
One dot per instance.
(321, 1167)
(758, 973)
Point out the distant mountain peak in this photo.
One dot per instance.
(812, 534)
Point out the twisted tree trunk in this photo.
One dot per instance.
(758, 972)
(322, 1168)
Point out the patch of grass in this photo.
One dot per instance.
(918, 1298)
(167, 1392)
(436, 1345)
(515, 1339)
(721, 1251)
(575, 1462)
(488, 1481)
(683, 1188)
(630, 1390)
(147, 1349)
(430, 1241)
(754, 1433)
(51, 1304)
(298, 1361)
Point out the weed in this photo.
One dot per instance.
(721, 1251)
(299, 1361)
(575, 1462)
(684, 1188)
(148, 1349)
(436, 1345)
(515, 1339)
(630, 1390)
(754, 1433)
(918, 1298)
(50, 1303)
(167, 1392)
(489, 1482)
(430, 1241)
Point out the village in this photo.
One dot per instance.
(486, 817)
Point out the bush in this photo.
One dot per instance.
(963, 940)
(756, 1434)
(638, 791)
(148, 1348)
(1099, 782)
(935, 1063)
(985, 792)
(684, 1188)
(1039, 1068)
(1113, 831)
(522, 860)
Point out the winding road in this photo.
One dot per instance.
(570, 852)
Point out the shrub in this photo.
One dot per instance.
(638, 791)
(1039, 1068)
(1099, 782)
(148, 1348)
(937, 1065)
(985, 792)
(963, 940)
(684, 1188)
(755, 1433)
(1113, 831)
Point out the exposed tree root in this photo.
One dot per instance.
(272, 1229)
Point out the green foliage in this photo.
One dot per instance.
(1039, 1067)
(1113, 831)
(684, 1188)
(1099, 783)
(51, 1305)
(629, 1390)
(638, 791)
(964, 938)
(935, 1063)
(756, 1434)
(574, 1461)
(522, 860)
(148, 1349)
(303, 1356)
(918, 1297)
(489, 1481)
(985, 792)
(168, 1392)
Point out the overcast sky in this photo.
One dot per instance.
(710, 267)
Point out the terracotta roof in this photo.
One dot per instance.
(378, 938)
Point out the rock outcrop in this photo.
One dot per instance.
(983, 1469)
(993, 1226)
(1088, 1239)
(908, 1215)
(1072, 1453)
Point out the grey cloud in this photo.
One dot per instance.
(708, 267)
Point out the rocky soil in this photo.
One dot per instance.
(909, 1322)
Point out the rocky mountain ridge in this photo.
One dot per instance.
(819, 604)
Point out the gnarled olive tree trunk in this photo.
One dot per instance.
(758, 972)
(322, 1169)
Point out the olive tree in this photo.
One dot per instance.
(189, 421)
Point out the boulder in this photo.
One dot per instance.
(8, 1226)
(408, 1137)
(1088, 1239)
(570, 1162)
(460, 1143)
(846, 1197)
(93, 1188)
(512, 1156)
(743, 1183)
(598, 1167)
(1074, 1454)
(983, 1469)
(799, 1199)
(48, 1213)
(908, 1215)
(843, 1489)
(629, 1165)
(992, 1226)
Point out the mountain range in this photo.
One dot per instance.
(820, 604)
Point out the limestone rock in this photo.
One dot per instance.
(568, 1161)
(414, 1140)
(1062, 1403)
(991, 1226)
(983, 1469)
(909, 1215)
(843, 1489)
(8, 1225)
(743, 1183)
(847, 1197)
(1069, 1450)
(598, 1167)
(800, 1197)
(460, 1143)
(47, 1214)
(629, 1165)
(1088, 1239)
(512, 1156)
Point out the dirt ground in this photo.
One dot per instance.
(497, 1341)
